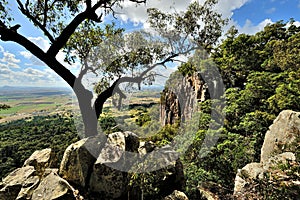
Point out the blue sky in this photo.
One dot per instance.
(19, 67)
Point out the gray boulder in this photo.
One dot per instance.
(53, 187)
(17, 182)
(282, 135)
(176, 195)
(104, 178)
(41, 160)
(280, 144)
(78, 160)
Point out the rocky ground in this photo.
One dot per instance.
(88, 169)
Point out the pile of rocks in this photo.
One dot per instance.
(91, 169)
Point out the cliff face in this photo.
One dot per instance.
(180, 97)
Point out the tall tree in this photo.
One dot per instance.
(76, 27)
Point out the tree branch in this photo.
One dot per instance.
(45, 13)
(88, 4)
(138, 1)
(36, 22)
(101, 98)
(61, 41)
(12, 35)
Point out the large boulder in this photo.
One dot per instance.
(41, 160)
(106, 177)
(163, 170)
(176, 195)
(78, 160)
(279, 147)
(282, 135)
(17, 181)
(36, 181)
(123, 155)
(206, 194)
(53, 187)
(252, 171)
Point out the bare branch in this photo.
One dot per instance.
(26, 12)
(71, 27)
(138, 1)
(88, 4)
(45, 12)
(12, 35)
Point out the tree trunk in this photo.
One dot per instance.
(88, 113)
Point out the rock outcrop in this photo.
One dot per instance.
(78, 160)
(106, 178)
(179, 98)
(176, 195)
(41, 160)
(120, 158)
(91, 167)
(279, 147)
(17, 182)
(36, 181)
(53, 187)
(282, 136)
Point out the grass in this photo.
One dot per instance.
(32, 105)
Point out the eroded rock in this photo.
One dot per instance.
(78, 160)
(280, 143)
(104, 178)
(179, 99)
(176, 195)
(282, 135)
(53, 187)
(41, 160)
(20, 179)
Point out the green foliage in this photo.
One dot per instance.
(187, 69)
(108, 123)
(165, 135)
(187, 24)
(19, 139)
(4, 107)
(261, 73)
(279, 183)
(142, 117)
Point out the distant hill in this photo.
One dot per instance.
(21, 90)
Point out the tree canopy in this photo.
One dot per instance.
(77, 28)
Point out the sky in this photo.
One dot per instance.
(19, 68)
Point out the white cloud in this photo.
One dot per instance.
(40, 42)
(271, 10)
(29, 77)
(1, 49)
(8, 59)
(226, 7)
(250, 28)
(44, 45)
(297, 23)
(34, 61)
(138, 13)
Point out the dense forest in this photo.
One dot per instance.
(261, 73)
(262, 77)
(20, 138)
